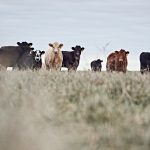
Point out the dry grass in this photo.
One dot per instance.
(78, 111)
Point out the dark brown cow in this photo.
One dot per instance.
(9, 55)
(71, 59)
(117, 61)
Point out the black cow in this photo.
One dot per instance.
(30, 60)
(71, 59)
(9, 55)
(96, 65)
(145, 62)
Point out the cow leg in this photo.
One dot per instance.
(107, 68)
(115, 67)
(148, 68)
(70, 68)
(58, 68)
(124, 69)
(143, 68)
(2, 68)
(100, 69)
(47, 67)
(75, 69)
(93, 69)
(16, 67)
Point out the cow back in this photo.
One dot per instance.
(9, 55)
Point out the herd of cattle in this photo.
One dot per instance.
(23, 56)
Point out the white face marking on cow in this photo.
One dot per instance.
(55, 49)
(37, 56)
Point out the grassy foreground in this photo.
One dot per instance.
(74, 111)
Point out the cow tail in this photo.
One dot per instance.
(107, 66)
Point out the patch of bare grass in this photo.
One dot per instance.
(81, 110)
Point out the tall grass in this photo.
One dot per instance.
(83, 110)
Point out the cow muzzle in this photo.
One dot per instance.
(55, 52)
(120, 60)
(37, 59)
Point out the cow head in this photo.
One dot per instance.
(25, 45)
(77, 51)
(37, 55)
(99, 63)
(122, 55)
(56, 47)
(121, 61)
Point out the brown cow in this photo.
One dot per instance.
(121, 61)
(117, 61)
(111, 61)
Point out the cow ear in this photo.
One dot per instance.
(43, 52)
(82, 48)
(127, 52)
(18, 43)
(30, 44)
(60, 45)
(51, 45)
(31, 52)
(73, 48)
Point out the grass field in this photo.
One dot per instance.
(74, 111)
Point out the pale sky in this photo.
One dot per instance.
(101, 26)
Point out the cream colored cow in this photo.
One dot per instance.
(54, 57)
